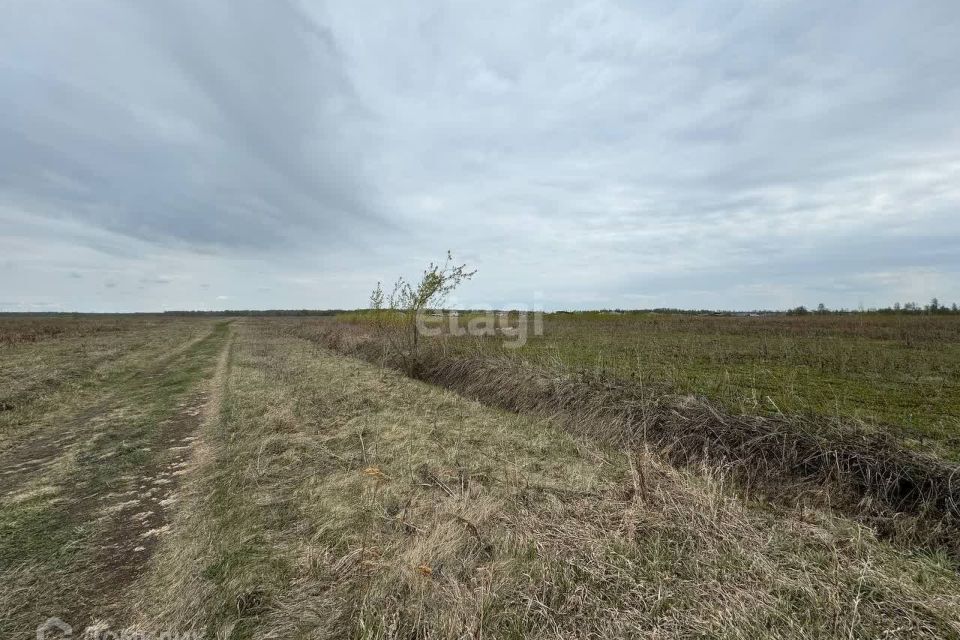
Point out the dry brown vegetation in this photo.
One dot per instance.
(900, 373)
(65, 357)
(88, 460)
(338, 500)
(908, 494)
(15, 329)
(319, 496)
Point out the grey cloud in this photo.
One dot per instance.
(215, 125)
(734, 154)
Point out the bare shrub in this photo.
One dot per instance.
(395, 316)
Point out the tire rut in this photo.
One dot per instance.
(138, 518)
(27, 461)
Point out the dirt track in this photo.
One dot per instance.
(102, 486)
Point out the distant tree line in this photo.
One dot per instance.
(256, 312)
(932, 308)
(227, 312)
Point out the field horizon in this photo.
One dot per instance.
(643, 320)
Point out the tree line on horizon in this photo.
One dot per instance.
(933, 307)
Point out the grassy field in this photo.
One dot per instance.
(898, 371)
(236, 479)
(90, 438)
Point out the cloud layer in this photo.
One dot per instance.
(249, 154)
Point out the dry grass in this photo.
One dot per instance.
(909, 495)
(329, 498)
(80, 471)
(898, 372)
(19, 329)
(44, 382)
(337, 500)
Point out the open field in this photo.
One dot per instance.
(901, 372)
(238, 478)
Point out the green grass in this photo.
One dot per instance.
(899, 371)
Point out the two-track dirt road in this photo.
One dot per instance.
(87, 487)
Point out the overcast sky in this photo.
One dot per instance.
(283, 154)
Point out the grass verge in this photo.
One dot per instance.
(332, 499)
(910, 495)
